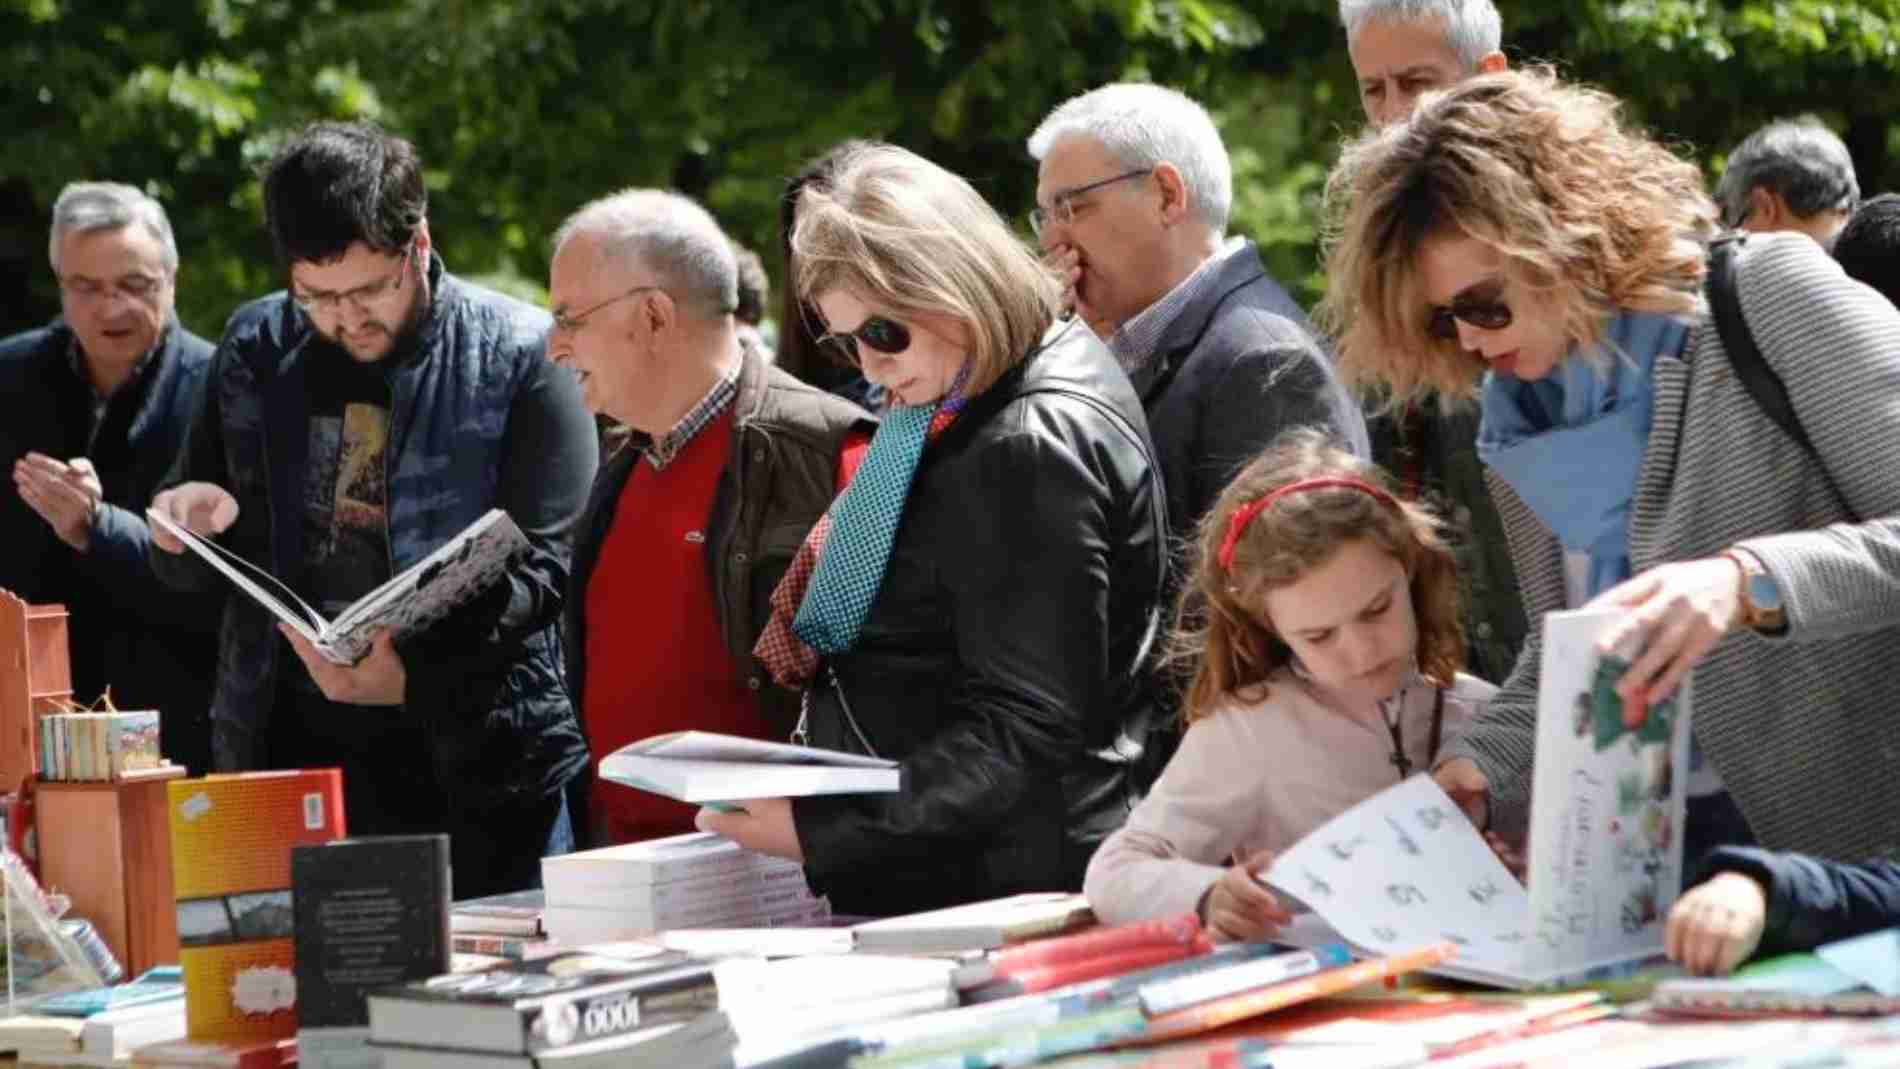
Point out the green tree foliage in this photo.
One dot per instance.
(524, 109)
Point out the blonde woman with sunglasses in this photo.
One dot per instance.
(1519, 239)
(979, 601)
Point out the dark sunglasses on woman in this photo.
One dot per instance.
(887, 336)
(1481, 305)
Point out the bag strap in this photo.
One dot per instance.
(1751, 367)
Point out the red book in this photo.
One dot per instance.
(1031, 979)
(1178, 931)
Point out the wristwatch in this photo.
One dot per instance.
(1761, 595)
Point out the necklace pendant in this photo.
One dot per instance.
(1403, 764)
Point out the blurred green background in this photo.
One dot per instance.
(523, 109)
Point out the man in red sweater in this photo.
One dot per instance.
(728, 463)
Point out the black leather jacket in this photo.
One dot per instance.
(1003, 660)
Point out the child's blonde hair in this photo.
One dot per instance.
(1220, 628)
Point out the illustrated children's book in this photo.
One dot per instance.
(461, 568)
(1605, 856)
(231, 845)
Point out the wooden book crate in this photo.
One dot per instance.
(35, 678)
(108, 846)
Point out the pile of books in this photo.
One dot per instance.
(579, 1010)
(685, 881)
(506, 926)
(97, 747)
(779, 1005)
(101, 1026)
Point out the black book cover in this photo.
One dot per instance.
(370, 912)
(546, 1004)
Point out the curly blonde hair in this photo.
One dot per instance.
(1221, 641)
(1590, 212)
(902, 233)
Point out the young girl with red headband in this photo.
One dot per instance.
(1321, 620)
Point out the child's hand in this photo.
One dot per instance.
(1465, 784)
(1717, 925)
(1239, 908)
(1513, 856)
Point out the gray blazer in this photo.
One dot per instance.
(1796, 725)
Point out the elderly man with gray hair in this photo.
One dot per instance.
(1133, 195)
(1402, 49)
(692, 523)
(92, 409)
(1793, 174)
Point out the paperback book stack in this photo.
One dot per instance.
(685, 881)
(101, 1026)
(97, 747)
(777, 1005)
(506, 926)
(569, 1011)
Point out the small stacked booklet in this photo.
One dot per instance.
(459, 569)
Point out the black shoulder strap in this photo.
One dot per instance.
(1751, 367)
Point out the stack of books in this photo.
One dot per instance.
(99, 1027)
(698, 880)
(97, 747)
(504, 926)
(214, 1054)
(775, 1005)
(572, 1011)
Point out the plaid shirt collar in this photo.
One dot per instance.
(1135, 342)
(662, 450)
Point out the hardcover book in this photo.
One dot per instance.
(459, 569)
(232, 837)
(370, 913)
(544, 1005)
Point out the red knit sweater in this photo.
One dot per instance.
(656, 661)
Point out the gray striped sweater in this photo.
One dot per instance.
(1803, 728)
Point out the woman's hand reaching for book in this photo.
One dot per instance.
(1717, 925)
(764, 825)
(1238, 907)
(201, 508)
(378, 679)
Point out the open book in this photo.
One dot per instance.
(1605, 855)
(461, 568)
(704, 766)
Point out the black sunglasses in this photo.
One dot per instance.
(1482, 306)
(887, 336)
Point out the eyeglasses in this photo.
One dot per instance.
(570, 323)
(1482, 306)
(132, 287)
(361, 297)
(1062, 205)
(887, 336)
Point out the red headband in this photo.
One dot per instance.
(1245, 514)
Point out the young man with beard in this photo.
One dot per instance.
(353, 424)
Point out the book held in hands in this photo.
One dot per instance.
(706, 767)
(454, 574)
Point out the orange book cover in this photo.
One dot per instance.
(231, 840)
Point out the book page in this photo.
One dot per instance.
(456, 572)
(712, 746)
(1605, 858)
(305, 620)
(1406, 868)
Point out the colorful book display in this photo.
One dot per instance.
(232, 837)
(97, 747)
(1605, 842)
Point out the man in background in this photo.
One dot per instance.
(1793, 174)
(1868, 247)
(92, 410)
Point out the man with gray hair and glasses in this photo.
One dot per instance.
(92, 409)
(1132, 199)
(1402, 49)
(1792, 174)
(729, 462)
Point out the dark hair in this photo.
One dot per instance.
(754, 287)
(1869, 245)
(798, 350)
(337, 183)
